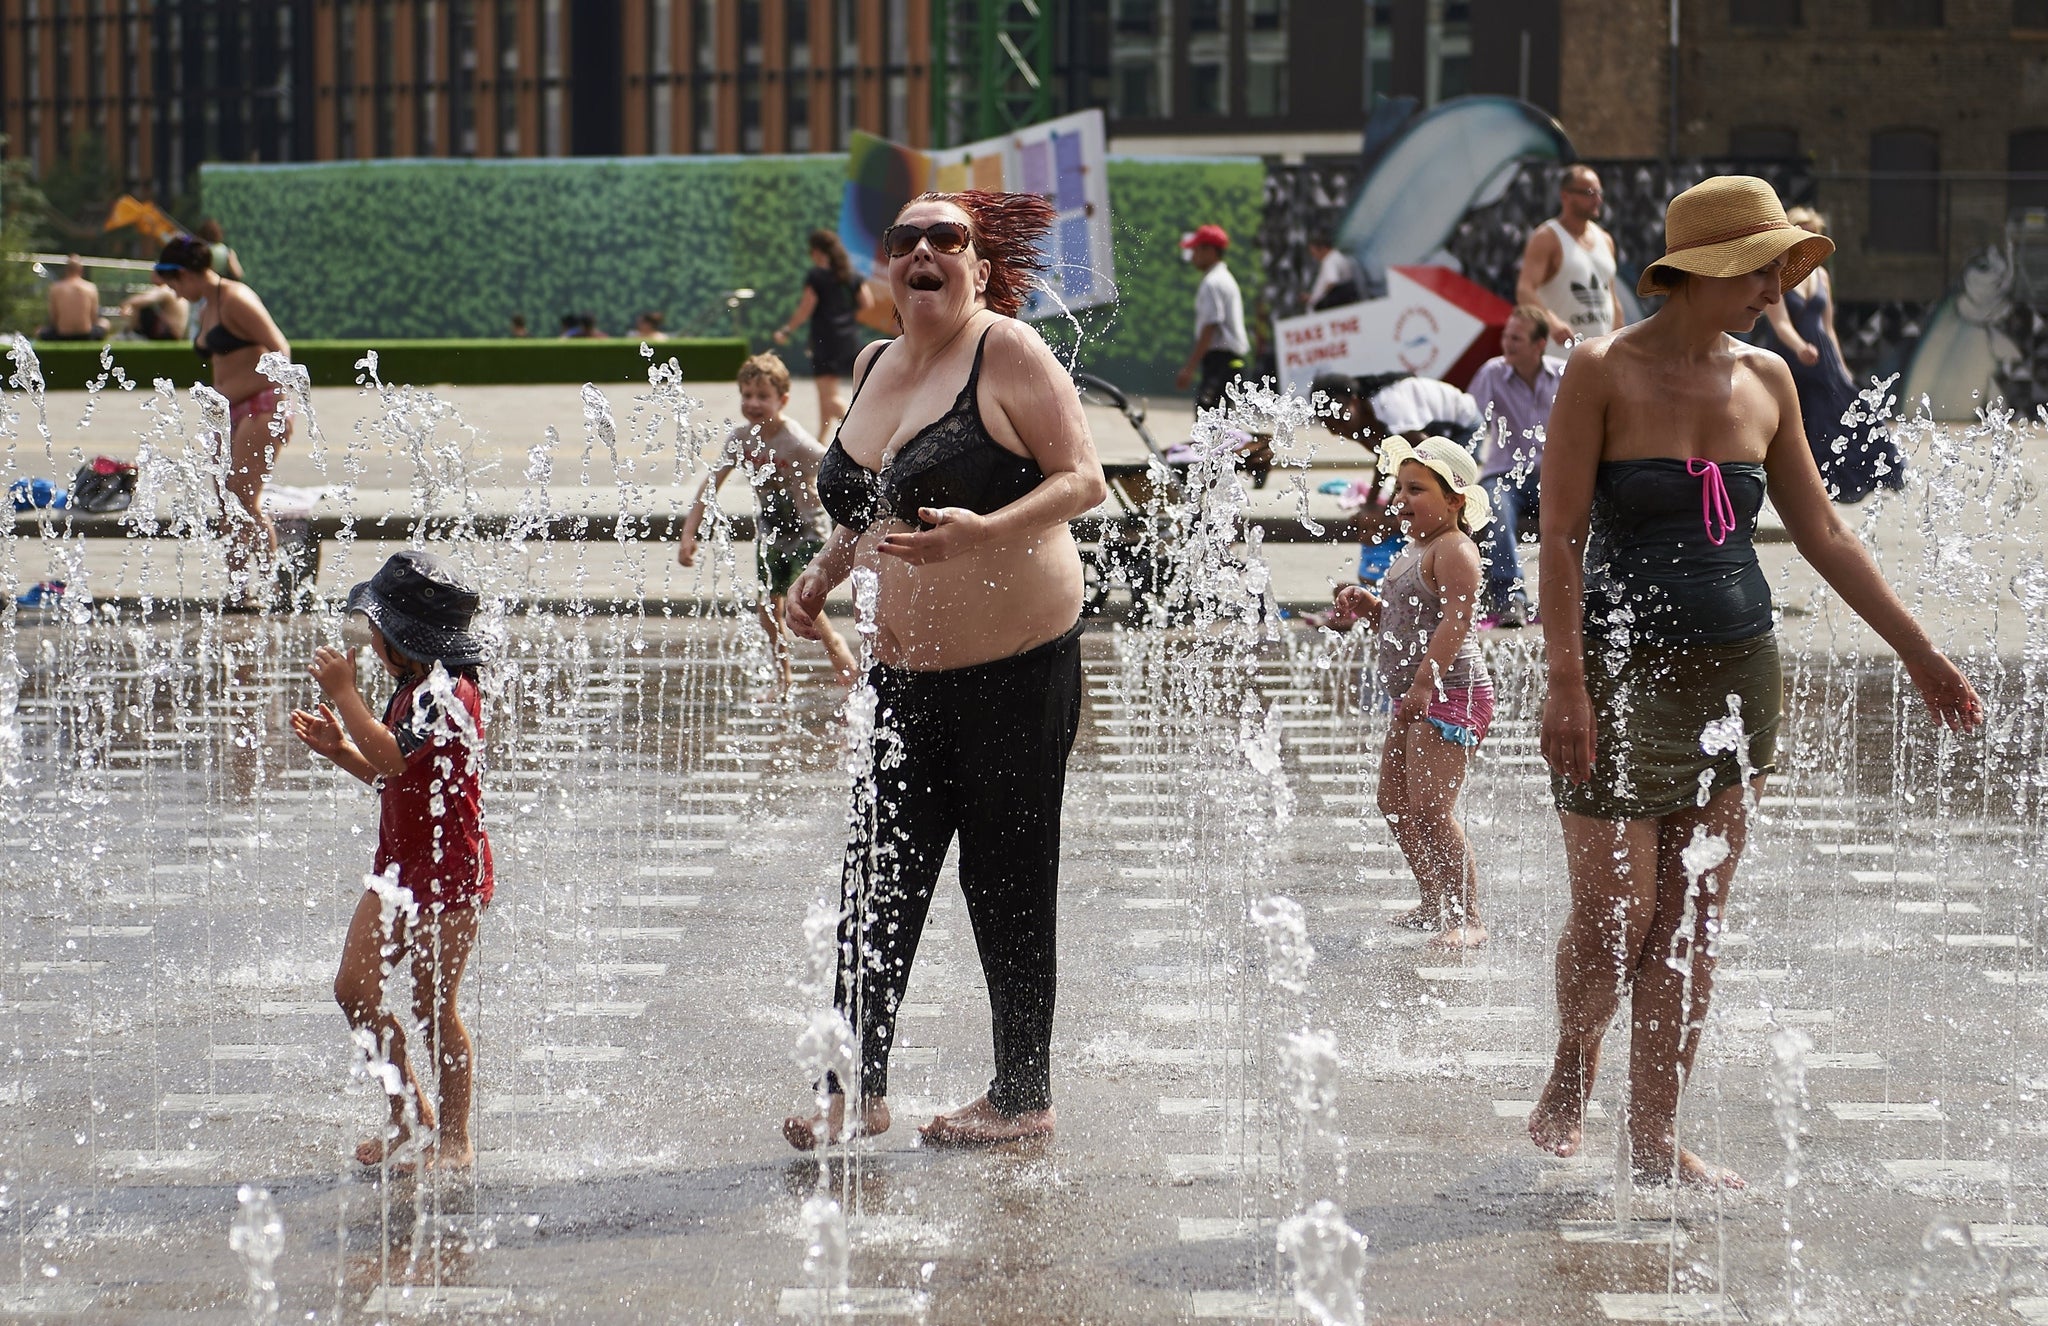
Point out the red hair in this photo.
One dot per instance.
(1006, 228)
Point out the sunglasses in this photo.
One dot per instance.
(947, 237)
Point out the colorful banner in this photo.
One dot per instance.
(1065, 160)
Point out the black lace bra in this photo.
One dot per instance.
(951, 461)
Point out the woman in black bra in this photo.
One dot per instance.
(962, 457)
(1657, 621)
(233, 333)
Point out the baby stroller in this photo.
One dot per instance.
(1127, 548)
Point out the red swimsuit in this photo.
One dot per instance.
(430, 819)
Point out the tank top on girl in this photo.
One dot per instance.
(1411, 615)
(1581, 293)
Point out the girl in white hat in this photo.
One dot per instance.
(1431, 670)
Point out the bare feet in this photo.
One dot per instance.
(1691, 1171)
(1555, 1125)
(805, 1132)
(1470, 935)
(374, 1151)
(982, 1124)
(440, 1154)
(1422, 916)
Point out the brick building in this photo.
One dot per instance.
(1926, 121)
(167, 84)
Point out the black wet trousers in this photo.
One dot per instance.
(980, 752)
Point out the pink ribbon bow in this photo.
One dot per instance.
(1715, 505)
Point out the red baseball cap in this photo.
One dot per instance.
(1214, 236)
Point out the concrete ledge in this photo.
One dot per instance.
(74, 365)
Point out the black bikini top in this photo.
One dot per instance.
(218, 340)
(951, 461)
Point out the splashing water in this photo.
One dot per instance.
(828, 1254)
(258, 1238)
(1328, 1260)
(1288, 951)
(1789, 1048)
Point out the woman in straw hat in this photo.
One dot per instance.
(1662, 714)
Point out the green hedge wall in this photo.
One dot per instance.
(424, 249)
(70, 365)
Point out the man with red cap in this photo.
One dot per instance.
(1220, 342)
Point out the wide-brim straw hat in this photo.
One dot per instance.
(1451, 463)
(1732, 225)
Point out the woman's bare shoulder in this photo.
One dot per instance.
(1014, 335)
(1768, 365)
(1017, 353)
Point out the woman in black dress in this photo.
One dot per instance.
(832, 296)
(1855, 459)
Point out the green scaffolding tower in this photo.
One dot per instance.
(991, 67)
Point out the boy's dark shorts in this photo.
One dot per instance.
(781, 563)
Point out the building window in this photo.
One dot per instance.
(2030, 15)
(796, 75)
(1905, 191)
(1905, 13)
(1448, 33)
(896, 71)
(507, 78)
(1265, 58)
(427, 79)
(749, 75)
(344, 80)
(1141, 55)
(1763, 14)
(1762, 142)
(750, 112)
(661, 77)
(2026, 154)
(1379, 49)
(1208, 57)
(846, 75)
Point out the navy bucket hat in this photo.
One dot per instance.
(421, 604)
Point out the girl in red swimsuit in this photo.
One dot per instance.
(433, 865)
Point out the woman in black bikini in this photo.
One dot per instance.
(1665, 439)
(234, 332)
(954, 483)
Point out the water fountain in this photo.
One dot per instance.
(178, 872)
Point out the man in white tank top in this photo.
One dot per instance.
(1568, 266)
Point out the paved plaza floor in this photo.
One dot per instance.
(174, 906)
(177, 873)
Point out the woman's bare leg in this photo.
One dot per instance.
(441, 946)
(251, 537)
(1674, 985)
(1444, 861)
(830, 411)
(367, 958)
(1612, 865)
